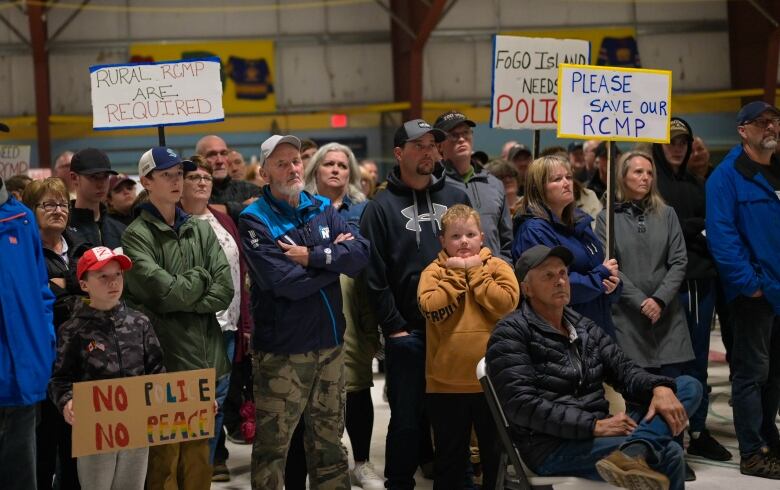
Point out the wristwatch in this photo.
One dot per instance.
(328, 255)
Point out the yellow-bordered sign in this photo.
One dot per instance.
(614, 104)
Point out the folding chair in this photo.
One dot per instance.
(517, 476)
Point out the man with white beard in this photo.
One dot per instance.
(743, 209)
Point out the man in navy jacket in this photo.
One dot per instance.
(743, 210)
(26, 339)
(296, 246)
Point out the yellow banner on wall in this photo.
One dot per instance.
(247, 69)
(609, 46)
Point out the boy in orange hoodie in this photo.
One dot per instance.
(462, 294)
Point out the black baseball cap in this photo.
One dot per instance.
(517, 150)
(91, 161)
(449, 120)
(752, 110)
(538, 254)
(601, 150)
(416, 128)
(574, 146)
(4, 128)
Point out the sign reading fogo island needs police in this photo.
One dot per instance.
(139, 411)
(617, 104)
(156, 94)
(525, 76)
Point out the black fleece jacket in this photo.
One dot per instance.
(686, 195)
(403, 226)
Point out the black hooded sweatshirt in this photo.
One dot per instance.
(403, 226)
(685, 194)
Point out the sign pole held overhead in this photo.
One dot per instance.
(535, 149)
(610, 252)
(161, 135)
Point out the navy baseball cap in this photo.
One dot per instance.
(414, 129)
(161, 158)
(752, 110)
(448, 121)
(574, 146)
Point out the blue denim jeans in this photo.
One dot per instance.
(578, 458)
(223, 384)
(699, 305)
(755, 365)
(17, 447)
(405, 378)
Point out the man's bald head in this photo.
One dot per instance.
(215, 151)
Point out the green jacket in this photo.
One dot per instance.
(180, 278)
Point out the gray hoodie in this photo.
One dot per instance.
(486, 194)
(650, 248)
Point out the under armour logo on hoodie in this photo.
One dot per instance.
(414, 221)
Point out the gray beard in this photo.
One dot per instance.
(768, 144)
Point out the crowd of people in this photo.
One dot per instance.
(289, 277)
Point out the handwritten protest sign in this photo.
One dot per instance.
(156, 94)
(139, 411)
(14, 160)
(618, 104)
(525, 73)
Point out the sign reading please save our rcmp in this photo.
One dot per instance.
(525, 73)
(617, 104)
(14, 160)
(164, 93)
(140, 411)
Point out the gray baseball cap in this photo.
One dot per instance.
(538, 254)
(416, 128)
(271, 143)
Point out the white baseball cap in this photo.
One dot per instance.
(271, 143)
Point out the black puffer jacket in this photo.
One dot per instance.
(685, 194)
(85, 230)
(550, 387)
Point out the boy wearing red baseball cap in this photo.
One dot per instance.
(104, 339)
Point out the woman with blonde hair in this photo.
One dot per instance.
(549, 216)
(649, 320)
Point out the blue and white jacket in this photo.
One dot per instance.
(27, 341)
(743, 211)
(298, 309)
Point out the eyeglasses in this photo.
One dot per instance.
(764, 123)
(51, 206)
(198, 178)
(456, 135)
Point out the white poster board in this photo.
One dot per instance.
(525, 73)
(616, 104)
(14, 160)
(164, 93)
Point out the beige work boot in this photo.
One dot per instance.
(633, 473)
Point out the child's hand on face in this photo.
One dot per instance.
(455, 263)
(472, 261)
(67, 412)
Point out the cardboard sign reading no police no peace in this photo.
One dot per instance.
(616, 104)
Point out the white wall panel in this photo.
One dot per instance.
(539, 13)
(698, 61)
(89, 24)
(335, 74)
(69, 74)
(457, 70)
(681, 10)
(17, 98)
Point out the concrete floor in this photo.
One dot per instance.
(711, 475)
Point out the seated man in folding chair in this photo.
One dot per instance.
(548, 363)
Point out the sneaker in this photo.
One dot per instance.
(690, 475)
(708, 447)
(626, 472)
(760, 464)
(237, 438)
(220, 472)
(364, 475)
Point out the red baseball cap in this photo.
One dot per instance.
(96, 258)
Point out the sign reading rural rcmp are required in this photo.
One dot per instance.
(140, 411)
(525, 73)
(156, 94)
(14, 160)
(617, 104)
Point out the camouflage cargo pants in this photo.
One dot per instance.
(287, 386)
